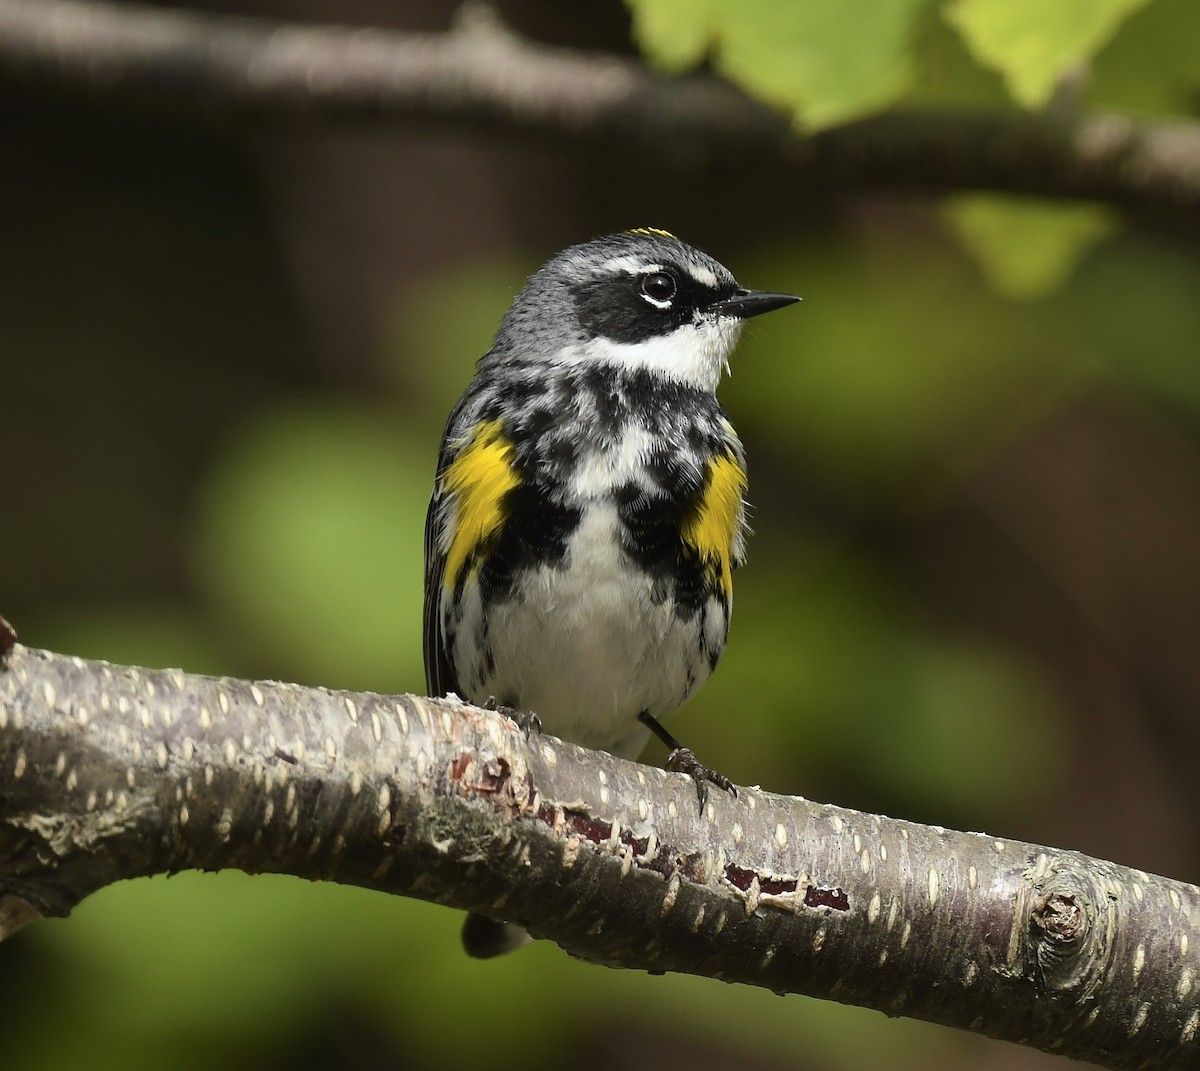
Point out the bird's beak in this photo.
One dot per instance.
(746, 303)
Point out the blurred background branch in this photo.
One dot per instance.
(276, 73)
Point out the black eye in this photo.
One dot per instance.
(658, 286)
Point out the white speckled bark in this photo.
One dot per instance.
(109, 772)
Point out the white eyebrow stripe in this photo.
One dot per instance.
(633, 266)
(630, 265)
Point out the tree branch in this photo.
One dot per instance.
(243, 68)
(109, 772)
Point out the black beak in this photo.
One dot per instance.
(747, 303)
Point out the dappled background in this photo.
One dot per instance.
(972, 594)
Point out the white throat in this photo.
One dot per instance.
(694, 354)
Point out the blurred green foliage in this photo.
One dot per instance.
(1033, 43)
(827, 64)
(186, 972)
(1025, 246)
(306, 540)
(1150, 64)
(883, 653)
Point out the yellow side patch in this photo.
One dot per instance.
(653, 230)
(713, 525)
(478, 479)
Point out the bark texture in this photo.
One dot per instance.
(110, 772)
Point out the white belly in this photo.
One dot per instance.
(586, 648)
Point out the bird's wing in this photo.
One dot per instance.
(476, 471)
(440, 677)
(439, 673)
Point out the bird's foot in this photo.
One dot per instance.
(526, 720)
(682, 760)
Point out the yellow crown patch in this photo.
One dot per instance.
(655, 231)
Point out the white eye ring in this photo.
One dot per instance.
(658, 288)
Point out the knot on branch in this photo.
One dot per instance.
(1060, 918)
(1072, 924)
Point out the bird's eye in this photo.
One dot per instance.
(659, 286)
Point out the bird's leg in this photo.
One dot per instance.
(682, 760)
(527, 721)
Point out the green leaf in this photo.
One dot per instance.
(825, 63)
(1033, 43)
(948, 76)
(1026, 247)
(1151, 64)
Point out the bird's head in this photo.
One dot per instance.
(641, 299)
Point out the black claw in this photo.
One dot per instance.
(682, 760)
(526, 720)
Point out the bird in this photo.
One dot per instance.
(589, 507)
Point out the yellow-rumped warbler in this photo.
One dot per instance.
(589, 505)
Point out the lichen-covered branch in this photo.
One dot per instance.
(110, 772)
(480, 73)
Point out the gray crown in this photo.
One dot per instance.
(590, 289)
